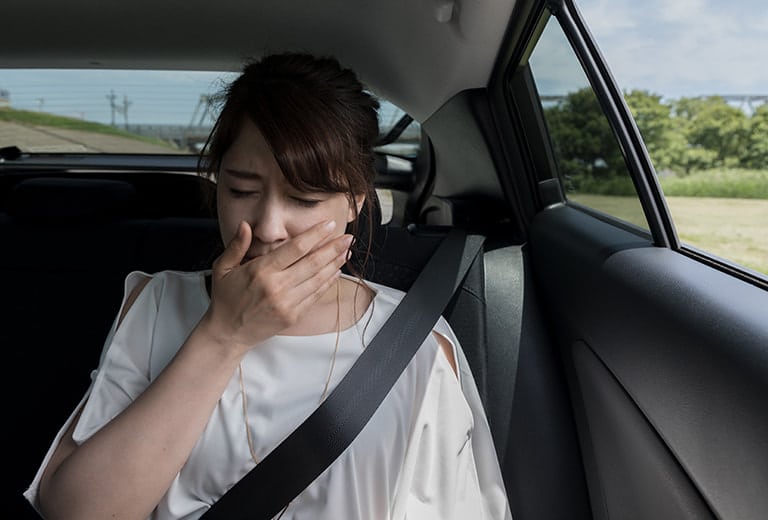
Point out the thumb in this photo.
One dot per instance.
(236, 249)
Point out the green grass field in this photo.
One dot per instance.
(733, 229)
(69, 123)
(733, 183)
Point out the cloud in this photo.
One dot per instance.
(683, 48)
(679, 11)
(608, 17)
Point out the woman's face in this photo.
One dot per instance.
(252, 187)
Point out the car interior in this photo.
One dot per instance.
(623, 377)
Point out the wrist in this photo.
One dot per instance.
(213, 336)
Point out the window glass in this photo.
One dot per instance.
(406, 143)
(590, 163)
(107, 111)
(692, 76)
(129, 111)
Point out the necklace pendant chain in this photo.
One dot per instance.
(336, 345)
(327, 382)
(322, 396)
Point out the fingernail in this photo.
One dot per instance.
(330, 225)
(348, 240)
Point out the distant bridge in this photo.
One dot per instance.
(747, 102)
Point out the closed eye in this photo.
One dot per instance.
(241, 193)
(306, 203)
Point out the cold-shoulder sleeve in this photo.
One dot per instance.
(450, 469)
(121, 374)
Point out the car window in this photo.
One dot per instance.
(587, 155)
(130, 111)
(107, 111)
(693, 81)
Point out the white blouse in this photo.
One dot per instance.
(426, 453)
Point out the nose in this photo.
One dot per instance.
(268, 223)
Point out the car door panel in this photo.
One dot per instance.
(668, 363)
(631, 460)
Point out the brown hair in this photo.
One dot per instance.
(319, 121)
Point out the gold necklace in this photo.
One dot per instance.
(336, 344)
(322, 396)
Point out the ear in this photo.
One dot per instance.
(358, 201)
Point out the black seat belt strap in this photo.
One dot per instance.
(296, 462)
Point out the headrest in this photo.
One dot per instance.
(66, 197)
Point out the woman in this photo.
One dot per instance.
(204, 373)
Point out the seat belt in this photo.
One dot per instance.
(296, 462)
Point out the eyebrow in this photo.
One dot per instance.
(243, 174)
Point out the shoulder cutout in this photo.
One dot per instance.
(447, 349)
(132, 298)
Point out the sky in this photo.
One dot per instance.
(153, 97)
(672, 48)
(678, 48)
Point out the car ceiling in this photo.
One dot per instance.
(416, 53)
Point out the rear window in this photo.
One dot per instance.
(127, 111)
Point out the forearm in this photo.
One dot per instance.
(125, 468)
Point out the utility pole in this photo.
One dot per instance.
(111, 97)
(124, 110)
(119, 109)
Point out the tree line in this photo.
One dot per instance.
(682, 135)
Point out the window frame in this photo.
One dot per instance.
(516, 86)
